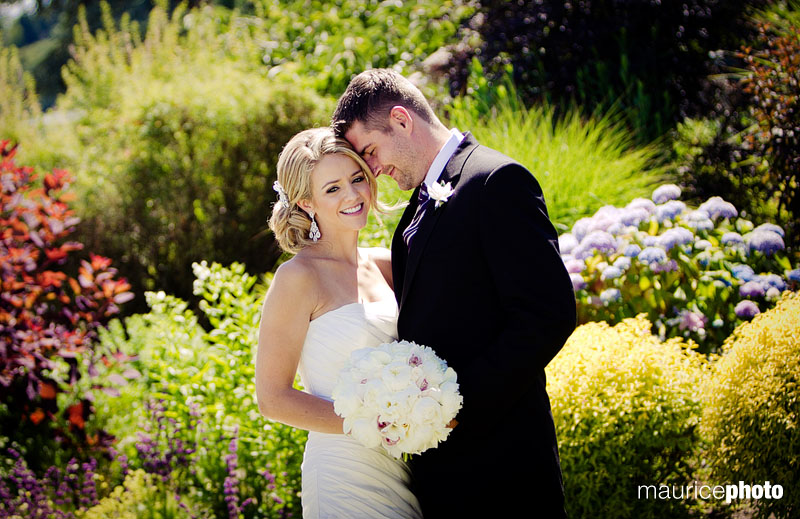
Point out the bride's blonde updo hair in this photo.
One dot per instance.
(299, 157)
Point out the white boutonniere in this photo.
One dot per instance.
(440, 192)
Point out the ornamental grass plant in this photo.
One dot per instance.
(751, 419)
(626, 407)
(581, 164)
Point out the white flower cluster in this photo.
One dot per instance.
(398, 395)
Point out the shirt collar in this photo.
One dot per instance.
(438, 164)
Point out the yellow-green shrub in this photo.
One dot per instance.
(751, 420)
(626, 407)
(141, 496)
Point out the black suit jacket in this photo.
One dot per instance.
(484, 286)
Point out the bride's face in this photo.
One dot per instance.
(340, 194)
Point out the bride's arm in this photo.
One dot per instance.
(285, 316)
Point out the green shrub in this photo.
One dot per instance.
(19, 106)
(178, 137)
(581, 164)
(626, 407)
(141, 496)
(205, 381)
(751, 420)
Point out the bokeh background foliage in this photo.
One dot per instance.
(170, 116)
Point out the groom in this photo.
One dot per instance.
(478, 278)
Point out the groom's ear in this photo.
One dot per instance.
(401, 117)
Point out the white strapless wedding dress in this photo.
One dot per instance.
(342, 478)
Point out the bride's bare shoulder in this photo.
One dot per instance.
(295, 276)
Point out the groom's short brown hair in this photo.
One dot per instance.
(371, 95)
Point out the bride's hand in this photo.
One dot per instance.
(452, 424)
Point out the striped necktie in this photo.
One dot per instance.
(422, 204)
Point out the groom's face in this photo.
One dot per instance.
(388, 152)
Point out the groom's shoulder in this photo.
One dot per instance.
(483, 161)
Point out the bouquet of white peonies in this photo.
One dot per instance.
(398, 395)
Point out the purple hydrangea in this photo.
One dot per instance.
(669, 210)
(611, 272)
(732, 238)
(600, 241)
(793, 275)
(771, 280)
(666, 193)
(623, 263)
(692, 321)
(633, 216)
(746, 309)
(567, 243)
(716, 207)
(652, 255)
(667, 266)
(610, 295)
(702, 244)
(578, 282)
(574, 265)
(699, 220)
(743, 272)
(581, 228)
(752, 289)
(704, 258)
(642, 203)
(675, 236)
(777, 229)
(650, 241)
(632, 250)
(764, 241)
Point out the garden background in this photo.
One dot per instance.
(139, 143)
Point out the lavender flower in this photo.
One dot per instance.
(611, 273)
(743, 272)
(716, 207)
(666, 193)
(752, 289)
(746, 309)
(651, 255)
(764, 241)
(732, 238)
(675, 236)
(566, 243)
(669, 210)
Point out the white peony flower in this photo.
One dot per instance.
(399, 396)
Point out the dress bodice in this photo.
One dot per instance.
(332, 336)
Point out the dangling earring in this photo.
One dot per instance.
(313, 233)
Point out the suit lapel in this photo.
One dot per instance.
(452, 174)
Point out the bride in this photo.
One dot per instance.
(331, 298)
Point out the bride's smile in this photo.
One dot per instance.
(340, 195)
